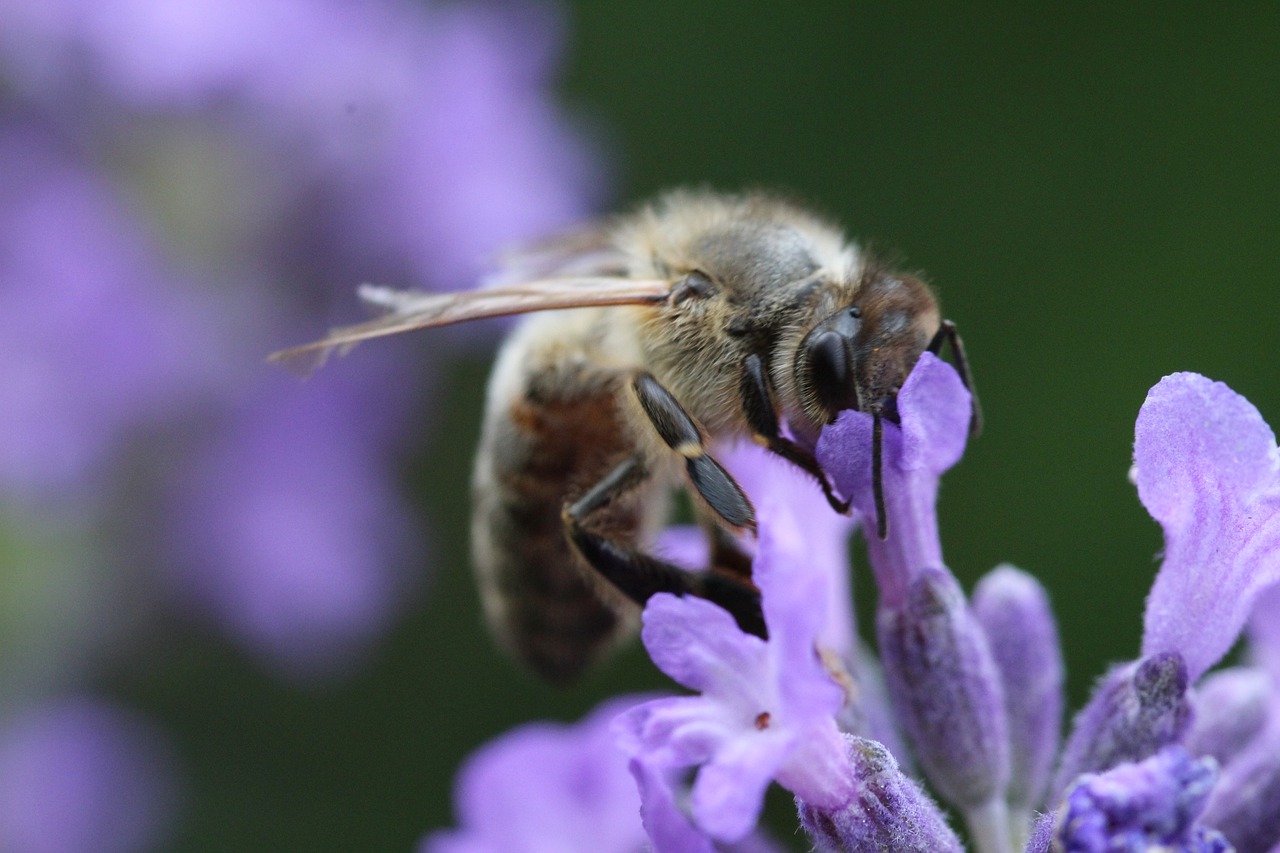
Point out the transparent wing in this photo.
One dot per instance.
(408, 310)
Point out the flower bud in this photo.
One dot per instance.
(1136, 709)
(887, 812)
(946, 689)
(1013, 610)
(1245, 805)
(1230, 709)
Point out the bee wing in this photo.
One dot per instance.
(589, 250)
(408, 310)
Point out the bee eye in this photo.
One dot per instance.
(831, 371)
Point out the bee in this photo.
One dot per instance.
(698, 317)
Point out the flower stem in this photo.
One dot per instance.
(989, 826)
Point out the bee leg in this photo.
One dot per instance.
(762, 417)
(947, 332)
(681, 433)
(640, 576)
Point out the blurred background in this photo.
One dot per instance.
(236, 611)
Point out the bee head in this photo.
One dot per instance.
(858, 356)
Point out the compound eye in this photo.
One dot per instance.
(831, 371)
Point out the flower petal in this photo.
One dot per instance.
(697, 643)
(1208, 470)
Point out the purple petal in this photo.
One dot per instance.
(728, 793)
(698, 644)
(678, 732)
(1208, 470)
(936, 409)
(667, 827)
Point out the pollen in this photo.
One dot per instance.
(762, 720)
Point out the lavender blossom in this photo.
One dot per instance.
(1151, 805)
(83, 776)
(550, 787)
(938, 663)
(766, 710)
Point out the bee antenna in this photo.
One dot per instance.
(877, 476)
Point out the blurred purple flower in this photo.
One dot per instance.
(322, 142)
(96, 337)
(767, 707)
(427, 128)
(1208, 470)
(547, 787)
(84, 776)
(288, 531)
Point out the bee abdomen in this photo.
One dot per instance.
(541, 600)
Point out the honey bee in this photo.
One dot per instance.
(698, 317)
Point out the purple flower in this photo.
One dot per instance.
(1136, 709)
(1150, 805)
(96, 339)
(938, 664)
(84, 776)
(766, 710)
(547, 787)
(288, 532)
(935, 410)
(1208, 470)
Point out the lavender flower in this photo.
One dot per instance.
(547, 787)
(1013, 610)
(1151, 805)
(942, 677)
(1126, 780)
(83, 776)
(567, 788)
(766, 710)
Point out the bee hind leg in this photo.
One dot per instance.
(762, 416)
(639, 576)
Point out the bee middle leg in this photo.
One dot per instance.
(639, 576)
(762, 416)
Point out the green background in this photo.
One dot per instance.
(1092, 190)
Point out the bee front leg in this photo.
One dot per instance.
(947, 333)
(762, 417)
(640, 576)
(722, 494)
